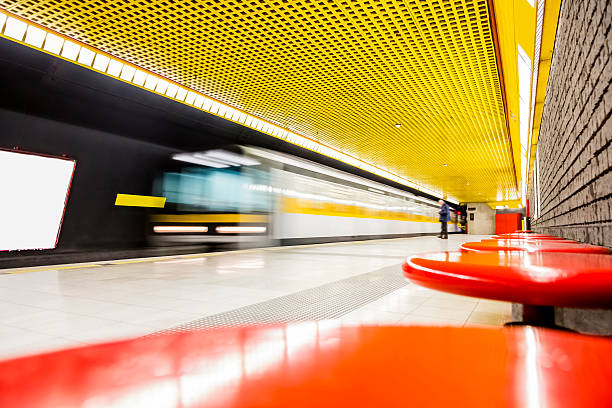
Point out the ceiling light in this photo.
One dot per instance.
(35, 36)
(86, 56)
(114, 68)
(207, 104)
(190, 99)
(53, 43)
(181, 93)
(172, 90)
(101, 62)
(445, 165)
(161, 86)
(199, 101)
(15, 28)
(70, 50)
(397, 125)
(150, 82)
(214, 107)
(127, 73)
(139, 77)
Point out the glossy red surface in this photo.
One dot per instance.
(321, 364)
(524, 241)
(507, 223)
(527, 236)
(535, 246)
(529, 239)
(541, 278)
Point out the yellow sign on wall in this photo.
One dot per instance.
(129, 200)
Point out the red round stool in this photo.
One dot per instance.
(536, 246)
(528, 237)
(538, 280)
(523, 241)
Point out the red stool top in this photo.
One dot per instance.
(541, 278)
(527, 236)
(321, 364)
(524, 241)
(537, 246)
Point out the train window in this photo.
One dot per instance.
(217, 190)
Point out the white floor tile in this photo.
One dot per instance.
(52, 308)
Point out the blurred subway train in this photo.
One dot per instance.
(240, 194)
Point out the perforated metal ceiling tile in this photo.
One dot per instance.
(341, 72)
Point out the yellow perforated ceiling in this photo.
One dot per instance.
(341, 72)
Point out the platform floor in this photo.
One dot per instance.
(47, 308)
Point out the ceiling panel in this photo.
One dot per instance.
(344, 73)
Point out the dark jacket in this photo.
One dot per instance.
(444, 213)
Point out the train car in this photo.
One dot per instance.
(240, 194)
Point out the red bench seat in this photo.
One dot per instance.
(321, 364)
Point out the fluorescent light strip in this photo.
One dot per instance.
(35, 36)
(53, 44)
(70, 50)
(139, 78)
(150, 82)
(127, 73)
(164, 229)
(171, 91)
(114, 68)
(101, 62)
(181, 94)
(207, 104)
(16, 29)
(86, 56)
(241, 230)
(162, 86)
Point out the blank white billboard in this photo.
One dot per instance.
(33, 194)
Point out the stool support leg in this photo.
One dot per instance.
(539, 315)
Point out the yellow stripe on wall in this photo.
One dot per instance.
(129, 200)
(237, 218)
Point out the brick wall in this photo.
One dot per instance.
(575, 152)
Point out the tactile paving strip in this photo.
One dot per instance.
(328, 301)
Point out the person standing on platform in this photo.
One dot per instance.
(444, 218)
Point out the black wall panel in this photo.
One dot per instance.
(107, 164)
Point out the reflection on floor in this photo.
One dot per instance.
(55, 307)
